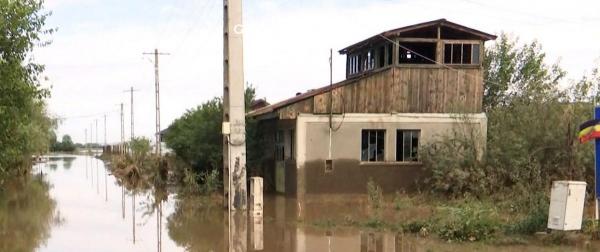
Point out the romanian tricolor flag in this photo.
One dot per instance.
(589, 130)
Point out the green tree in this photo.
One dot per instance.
(140, 147)
(196, 136)
(67, 144)
(25, 127)
(532, 126)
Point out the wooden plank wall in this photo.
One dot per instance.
(401, 90)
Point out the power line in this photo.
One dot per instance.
(86, 116)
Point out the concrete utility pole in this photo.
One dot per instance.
(234, 114)
(96, 120)
(105, 143)
(132, 117)
(157, 92)
(91, 137)
(122, 128)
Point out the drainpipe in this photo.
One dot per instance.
(330, 99)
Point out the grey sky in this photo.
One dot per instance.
(97, 52)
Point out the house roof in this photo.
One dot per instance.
(396, 32)
(303, 96)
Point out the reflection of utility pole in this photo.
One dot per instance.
(90, 152)
(157, 93)
(234, 116)
(86, 159)
(97, 172)
(133, 214)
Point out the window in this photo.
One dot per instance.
(279, 146)
(459, 53)
(373, 146)
(390, 51)
(369, 61)
(354, 64)
(416, 53)
(407, 145)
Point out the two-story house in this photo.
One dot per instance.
(403, 88)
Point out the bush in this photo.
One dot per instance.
(453, 164)
(468, 223)
(140, 148)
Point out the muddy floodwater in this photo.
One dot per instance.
(72, 203)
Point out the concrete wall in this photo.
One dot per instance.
(350, 175)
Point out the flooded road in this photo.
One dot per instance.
(76, 205)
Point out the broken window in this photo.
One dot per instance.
(416, 53)
(461, 53)
(381, 57)
(390, 55)
(407, 145)
(279, 146)
(369, 61)
(373, 146)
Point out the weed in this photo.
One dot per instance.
(469, 222)
(210, 181)
(398, 204)
(375, 197)
(375, 223)
(416, 226)
(537, 216)
(326, 223)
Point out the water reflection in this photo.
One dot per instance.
(197, 224)
(68, 162)
(93, 221)
(26, 214)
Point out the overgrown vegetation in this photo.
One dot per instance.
(532, 126)
(197, 140)
(25, 127)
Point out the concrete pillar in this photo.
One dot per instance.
(256, 196)
(234, 152)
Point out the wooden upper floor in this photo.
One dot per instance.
(436, 42)
(432, 67)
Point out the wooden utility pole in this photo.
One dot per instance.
(157, 93)
(234, 114)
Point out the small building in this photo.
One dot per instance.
(403, 88)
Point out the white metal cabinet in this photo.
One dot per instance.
(566, 205)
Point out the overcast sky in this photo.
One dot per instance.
(96, 53)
